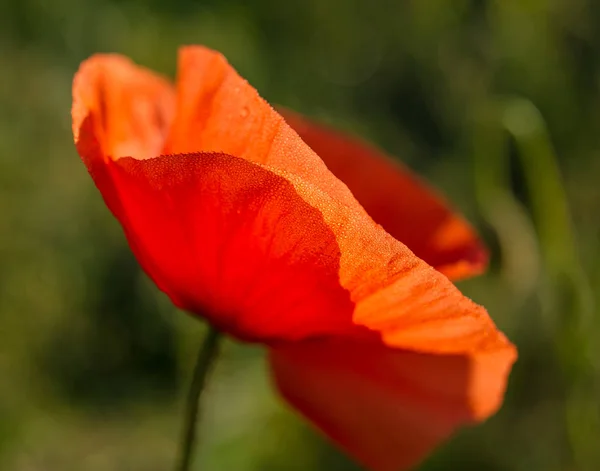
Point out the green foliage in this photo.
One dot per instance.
(497, 102)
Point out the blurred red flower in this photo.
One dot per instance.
(284, 233)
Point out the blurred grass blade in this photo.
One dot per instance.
(568, 296)
(520, 266)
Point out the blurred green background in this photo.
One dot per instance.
(496, 102)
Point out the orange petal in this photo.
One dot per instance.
(131, 107)
(395, 198)
(219, 111)
(230, 240)
(388, 408)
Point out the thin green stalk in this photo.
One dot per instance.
(206, 357)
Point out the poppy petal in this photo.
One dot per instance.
(405, 206)
(132, 106)
(230, 240)
(388, 408)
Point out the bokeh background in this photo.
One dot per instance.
(496, 102)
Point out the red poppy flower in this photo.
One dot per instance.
(284, 233)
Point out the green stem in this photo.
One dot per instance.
(206, 356)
